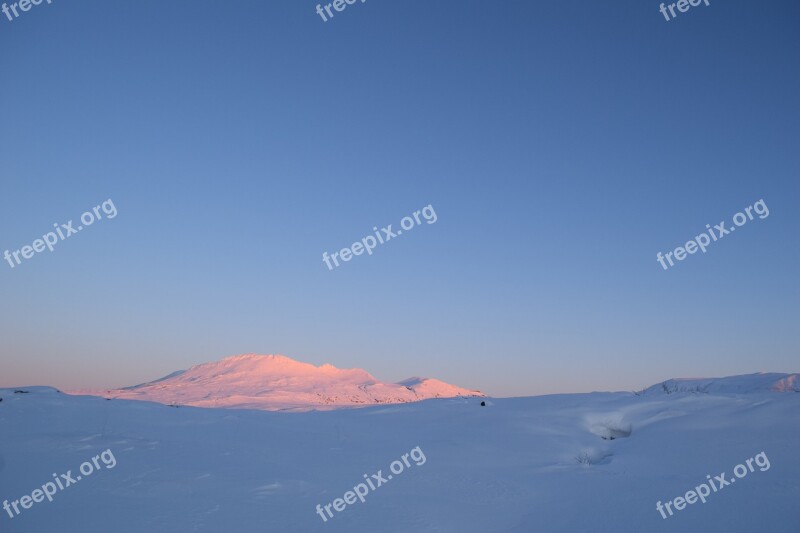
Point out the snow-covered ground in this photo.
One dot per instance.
(537, 464)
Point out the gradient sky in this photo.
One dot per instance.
(562, 144)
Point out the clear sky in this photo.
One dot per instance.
(561, 144)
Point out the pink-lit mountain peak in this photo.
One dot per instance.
(277, 382)
(255, 365)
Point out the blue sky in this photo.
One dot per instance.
(561, 144)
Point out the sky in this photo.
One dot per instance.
(562, 145)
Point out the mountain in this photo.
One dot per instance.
(747, 383)
(278, 383)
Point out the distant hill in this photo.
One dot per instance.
(277, 382)
(746, 383)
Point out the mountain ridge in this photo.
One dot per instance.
(276, 382)
(738, 384)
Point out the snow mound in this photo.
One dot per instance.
(747, 383)
(277, 382)
(609, 426)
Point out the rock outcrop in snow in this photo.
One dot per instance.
(276, 382)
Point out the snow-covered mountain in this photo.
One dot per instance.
(277, 383)
(760, 382)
